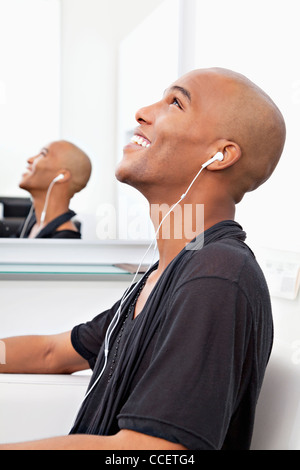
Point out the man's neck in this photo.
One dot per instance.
(184, 224)
(55, 208)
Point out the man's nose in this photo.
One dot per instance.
(31, 159)
(147, 114)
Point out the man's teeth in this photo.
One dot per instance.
(137, 139)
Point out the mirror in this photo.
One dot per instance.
(59, 80)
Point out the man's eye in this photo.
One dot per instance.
(176, 103)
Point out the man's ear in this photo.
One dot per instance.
(231, 152)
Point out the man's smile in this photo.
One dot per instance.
(142, 141)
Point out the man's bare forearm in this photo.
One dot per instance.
(74, 442)
(123, 440)
(51, 354)
(2, 354)
(23, 355)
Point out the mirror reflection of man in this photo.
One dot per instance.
(52, 178)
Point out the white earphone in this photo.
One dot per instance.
(43, 215)
(58, 178)
(219, 156)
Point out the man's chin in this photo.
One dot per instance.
(128, 179)
(121, 178)
(131, 175)
(122, 173)
(22, 185)
(24, 180)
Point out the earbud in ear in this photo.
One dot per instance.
(219, 156)
(58, 178)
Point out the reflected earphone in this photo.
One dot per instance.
(57, 178)
(219, 156)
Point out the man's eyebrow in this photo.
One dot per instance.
(182, 90)
(45, 150)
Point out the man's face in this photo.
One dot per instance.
(40, 170)
(173, 136)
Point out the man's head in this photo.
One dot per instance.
(57, 158)
(204, 112)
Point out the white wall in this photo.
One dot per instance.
(88, 96)
(49, 307)
(91, 33)
(261, 40)
(148, 64)
(29, 84)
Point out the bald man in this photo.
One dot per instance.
(184, 364)
(52, 178)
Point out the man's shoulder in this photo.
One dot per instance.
(225, 259)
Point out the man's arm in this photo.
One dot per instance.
(123, 440)
(52, 354)
(56, 355)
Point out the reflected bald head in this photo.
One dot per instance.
(72, 158)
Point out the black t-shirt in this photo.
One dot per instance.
(50, 230)
(190, 366)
